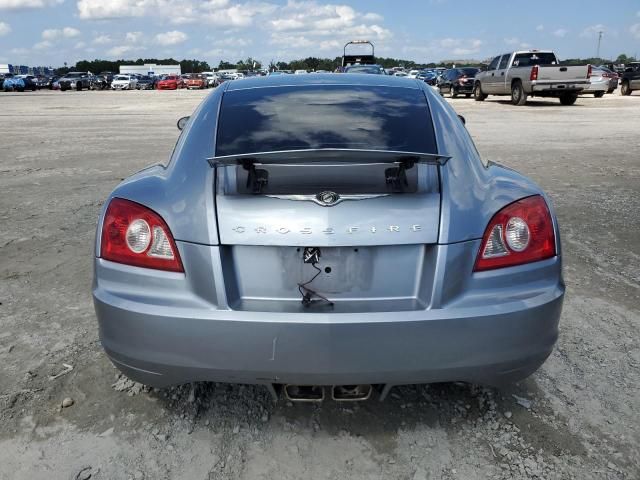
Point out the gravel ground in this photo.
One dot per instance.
(578, 417)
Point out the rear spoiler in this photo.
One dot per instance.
(322, 155)
(396, 176)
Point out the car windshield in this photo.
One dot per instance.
(534, 58)
(170, 77)
(329, 116)
(74, 75)
(371, 69)
(121, 77)
(145, 78)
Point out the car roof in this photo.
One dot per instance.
(322, 79)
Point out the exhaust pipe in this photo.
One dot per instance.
(351, 393)
(304, 393)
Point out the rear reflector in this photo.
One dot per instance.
(521, 232)
(136, 235)
(589, 71)
(534, 73)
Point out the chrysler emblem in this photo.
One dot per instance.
(328, 199)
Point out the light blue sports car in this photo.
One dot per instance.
(327, 234)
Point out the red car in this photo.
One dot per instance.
(196, 81)
(170, 82)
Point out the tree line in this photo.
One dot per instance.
(309, 63)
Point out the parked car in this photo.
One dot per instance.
(108, 77)
(212, 79)
(531, 73)
(146, 82)
(457, 81)
(368, 69)
(630, 79)
(300, 72)
(75, 81)
(42, 81)
(366, 245)
(124, 82)
(170, 82)
(613, 77)
(600, 82)
(19, 83)
(429, 77)
(196, 81)
(99, 82)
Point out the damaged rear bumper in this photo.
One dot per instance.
(173, 330)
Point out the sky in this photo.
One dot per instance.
(52, 32)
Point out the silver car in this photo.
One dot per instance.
(327, 234)
(599, 83)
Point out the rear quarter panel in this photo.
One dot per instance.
(472, 191)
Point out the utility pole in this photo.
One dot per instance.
(599, 40)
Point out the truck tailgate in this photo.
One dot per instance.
(563, 74)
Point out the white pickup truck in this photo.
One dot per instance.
(535, 73)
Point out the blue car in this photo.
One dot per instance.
(327, 235)
(19, 83)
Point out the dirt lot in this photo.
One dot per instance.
(577, 418)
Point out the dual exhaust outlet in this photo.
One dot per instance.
(316, 393)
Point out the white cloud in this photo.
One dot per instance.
(459, 46)
(70, 32)
(215, 12)
(5, 29)
(26, 4)
(43, 45)
(635, 30)
(232, 42)
(372, 17)
(53, 34)
(121, 50)
(173, 37)
(133, 37)
(102, 40)
(560, 32)
(100, 9)
(540, 28)
(80, 45)
(512, 41)
(593, 30)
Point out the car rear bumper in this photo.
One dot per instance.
(558, 88)
(177, 340)
(464, 87)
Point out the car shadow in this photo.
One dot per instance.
(444, 406)
(536, 103)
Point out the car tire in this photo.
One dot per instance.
(599, 94)
(478, 95)
(518, 95)
(453, 93)
(625, 89)
(568, 99)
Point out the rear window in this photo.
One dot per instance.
(324, 116)
(534, 58)
(470, 72)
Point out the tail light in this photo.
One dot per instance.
(521, 232)
(135, 235)
(589, 70)
(534, 73)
